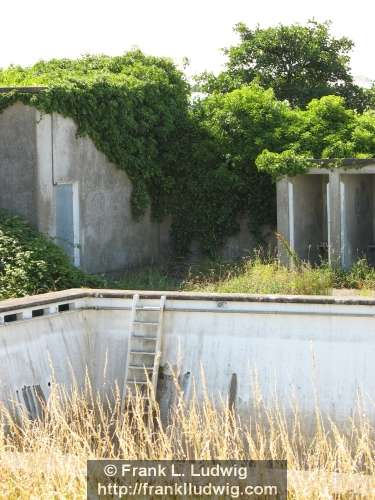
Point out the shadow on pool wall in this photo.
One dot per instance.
(313, 347)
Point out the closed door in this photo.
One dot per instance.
(66, 220)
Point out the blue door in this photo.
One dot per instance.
(65, 218)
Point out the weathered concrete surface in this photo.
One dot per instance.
(283, 219)
(109, 238)
(340, 215)
(38, 152)
(18, 161)
(358, 215)
(310, 216)
(41, 350)
(244, 242)
(310, 347)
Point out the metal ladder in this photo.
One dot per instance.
(144, 349)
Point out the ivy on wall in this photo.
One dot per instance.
(206, 163)
(130, 106)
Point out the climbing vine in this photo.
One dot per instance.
(325, 130)
(131, 106)
(206, 164)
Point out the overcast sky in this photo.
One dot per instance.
(197, 29)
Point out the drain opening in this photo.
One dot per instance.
(37, 312)
(64, 307)
(8, 318)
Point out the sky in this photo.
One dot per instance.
(196, 29)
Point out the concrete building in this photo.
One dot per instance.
(328, 213)
(69, 190)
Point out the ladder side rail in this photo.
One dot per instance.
(158, 343)
(128, 354)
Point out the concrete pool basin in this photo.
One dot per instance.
(321, 349)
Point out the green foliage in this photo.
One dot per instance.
(147, 278)
(360, 276)
(299, 62)
(221, 182)
(30, 263)
(133, 107)
(205, 164)
(326, 129)
(285, 163)
(259, 275)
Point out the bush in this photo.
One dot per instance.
(30, 263)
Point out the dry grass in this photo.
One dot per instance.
(47, 458)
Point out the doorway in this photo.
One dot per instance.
(67, 220)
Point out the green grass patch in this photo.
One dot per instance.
(31, 263)
(264, 276)
(256, 275)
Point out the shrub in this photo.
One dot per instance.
(30, 263)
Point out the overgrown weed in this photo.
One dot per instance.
(47, 458)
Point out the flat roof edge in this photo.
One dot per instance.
(81, 293)
(342, 162)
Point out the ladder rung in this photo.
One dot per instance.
(137, 367)
(154, 323)
(143, 337)
(152, 334)
(148, 308)
(143, 352)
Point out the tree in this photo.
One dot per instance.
(221, 181)
(298, 62)
(371, 96)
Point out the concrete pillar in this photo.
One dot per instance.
(334, 218)
(284, 193)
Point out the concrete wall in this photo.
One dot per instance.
(341, 213)
(284, 215)
(38, 152)
(302, 217)
(242, 244)
(41, 351)
(18, 161)
(306, 347)
(310, 216)
(358, 214)
(109, 238)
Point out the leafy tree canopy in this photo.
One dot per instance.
(298, 62)
(326, 129)
(204, 164)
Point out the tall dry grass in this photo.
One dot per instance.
(46, 458)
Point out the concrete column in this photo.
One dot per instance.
(46, 211)
(284, 190)
(334, 218)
